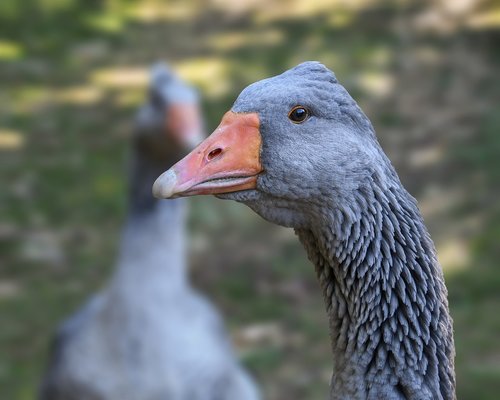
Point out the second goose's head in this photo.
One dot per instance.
(170, 122)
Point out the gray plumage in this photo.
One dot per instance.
(148, 335)
(329, 179)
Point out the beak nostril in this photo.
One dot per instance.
(214, 154)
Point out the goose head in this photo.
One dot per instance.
(170, 122)
(291, 147)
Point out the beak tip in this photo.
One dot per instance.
(164, 186)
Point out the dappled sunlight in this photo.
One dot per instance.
(449, 16)
(454, 240)
(80, 95)
(341, 18)
(381, 56)
(458, 7)
(120, 77)
(376, 78)
(326, 56)
(437, 200)
(267, 12)
(210, 74)
(426, 157)
(376, 84)
(259, 334)
(228, 41)
(10, 50)
(28, 98)
(129, 98)
(11, 139)
(485, 20)
(148, 11)
(454, 254)
(106, 22)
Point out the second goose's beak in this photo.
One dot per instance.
(184, 123)
(227, 161)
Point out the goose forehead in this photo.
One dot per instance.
(310, 82)
(284, 90)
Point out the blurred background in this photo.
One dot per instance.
(72, 74)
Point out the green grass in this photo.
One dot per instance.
(63, 197)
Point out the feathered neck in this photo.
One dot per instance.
(385, 296)
(152, 254)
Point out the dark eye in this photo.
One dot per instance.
(298, 114)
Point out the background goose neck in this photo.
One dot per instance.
(152, 253)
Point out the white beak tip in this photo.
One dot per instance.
(164, 186)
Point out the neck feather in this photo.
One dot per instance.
(152, 255)
(385, 296)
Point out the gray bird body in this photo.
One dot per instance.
(148, 335)
(327, 177)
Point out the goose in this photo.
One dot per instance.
(149, 335)
(297, 149)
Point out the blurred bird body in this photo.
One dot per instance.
(298, 150)
(148, 335)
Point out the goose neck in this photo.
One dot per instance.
(385, 297)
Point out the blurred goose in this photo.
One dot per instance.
(149, 335)
(298, 150)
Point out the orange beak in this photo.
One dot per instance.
(227, 161)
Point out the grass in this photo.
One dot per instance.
(62, 153)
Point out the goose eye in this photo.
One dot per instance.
(298, 114)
